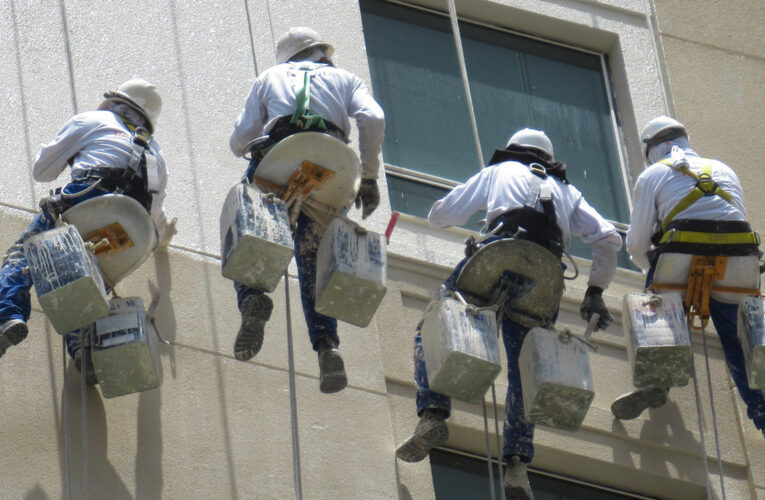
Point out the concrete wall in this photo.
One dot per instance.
(219, 428)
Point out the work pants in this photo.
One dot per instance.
(725, 318)
(306, 237)
(16, 280)
(518, 432)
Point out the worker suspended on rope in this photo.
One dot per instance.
(686, 206)
(526, 195)
(306, 92)
(110, 150)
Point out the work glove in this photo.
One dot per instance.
(368, 197)
(167, 234)
(593, 304)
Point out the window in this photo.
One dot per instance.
(515, 82)
(457, 476)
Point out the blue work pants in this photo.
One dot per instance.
(307, 236)
(518, 432)
(15, 279)
(725, 319)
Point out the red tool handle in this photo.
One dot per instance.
(391, 225)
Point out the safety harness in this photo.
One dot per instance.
(709, 242)
(705, 186)
(302, 120)
(136, 180)
(530, 224)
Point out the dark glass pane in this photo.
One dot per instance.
(457, 477)
(515, 82)
(416, 198)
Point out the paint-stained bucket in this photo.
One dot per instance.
(461, 349)
(751, 333)
(124, 351)
(350, 272)
(556, 379)
(256, 242)
(66, 277)
(659, 343)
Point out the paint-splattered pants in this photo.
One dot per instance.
(725, 317)
(307, 237)
(15, 283)
(518, 432)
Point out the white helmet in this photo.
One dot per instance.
(297, 40)
(660, 129)
(139, 95)
(531, 138)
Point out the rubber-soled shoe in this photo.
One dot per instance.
(431, 431)
(256, 311)
(332, 376)
(90, 371)
(12, 332)
(631, 405)
(516, 480)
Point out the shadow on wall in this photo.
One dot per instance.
(666, 427)
(102, 479)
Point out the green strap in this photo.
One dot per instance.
(705, 186)
(302, 117)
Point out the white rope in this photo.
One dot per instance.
(714, 414)
(499, 441)
(67, 45)
(701, 423)
(296, 473)
(65, 406)
(65, 409)
(488, 451)
(252, 40)
(84, 413)
(293, 401)
(465, 81)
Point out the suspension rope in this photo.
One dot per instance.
(465, 81)
(83, 416)
(296, 473)
(488, 451)
(252, 39)
(293, 400)
(714, 414)
(479, 154)
(499, 441)
(65, 409)
(67, 45)
(701, 422)
(84, 411)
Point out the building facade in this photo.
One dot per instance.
(590, 72)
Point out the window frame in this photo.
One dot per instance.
(444, 183)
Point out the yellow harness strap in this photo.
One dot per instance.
(675, 236)
(705, 186)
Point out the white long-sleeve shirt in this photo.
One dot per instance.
(99, 139)
(660, 188)
(336, 95)
(504, 186)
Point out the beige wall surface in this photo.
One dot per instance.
(219, 428)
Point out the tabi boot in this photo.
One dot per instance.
(631, 405)
(431, 431)
(332, 376)
(256, 311)
(516, 480)
(12, 332)
(90, 371)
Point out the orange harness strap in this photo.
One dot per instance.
(703, 272)
(304, 180)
